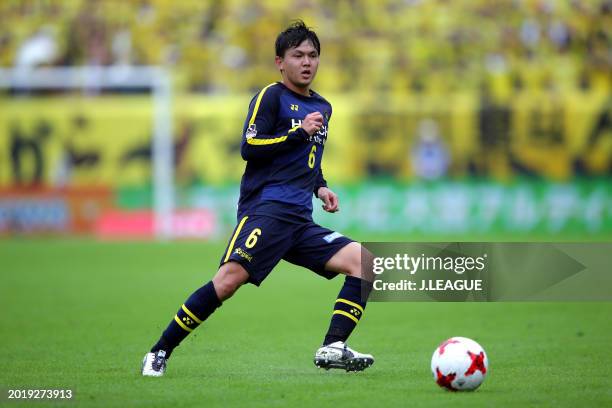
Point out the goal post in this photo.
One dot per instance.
(90, 78)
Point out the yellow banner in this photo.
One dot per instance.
(91, 141)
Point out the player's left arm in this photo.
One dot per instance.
(329, 198)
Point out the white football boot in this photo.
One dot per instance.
(339, 355)
(154, 364)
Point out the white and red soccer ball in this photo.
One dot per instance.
(459, 364)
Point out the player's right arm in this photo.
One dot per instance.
(258, 139)
(312, 123)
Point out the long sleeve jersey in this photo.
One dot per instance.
(283, 167)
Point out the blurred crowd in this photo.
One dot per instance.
(397, 46)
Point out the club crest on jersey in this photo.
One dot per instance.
(251, 131)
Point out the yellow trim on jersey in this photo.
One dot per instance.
(348, 302)
(176, 318)
(259, 142)
(194, 317)
(280, 139)
(343, 313)
(231, 245)
(257, 102)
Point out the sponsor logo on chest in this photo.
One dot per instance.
(319, 138)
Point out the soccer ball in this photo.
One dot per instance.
(459, 364)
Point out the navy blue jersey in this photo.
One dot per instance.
(283, 167)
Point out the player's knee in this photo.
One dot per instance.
(367, 265)
(228, 279)
(359, 263)
(225, 287)
(351, 265)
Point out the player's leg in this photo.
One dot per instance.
(196, 309)
(257, 245)
(201, 304)
(351, 301)
(348, 310)
(328, 254)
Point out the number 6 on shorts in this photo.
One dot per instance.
(252, 239)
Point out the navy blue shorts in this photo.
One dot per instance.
(260, 242)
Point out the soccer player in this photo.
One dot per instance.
(282, 142)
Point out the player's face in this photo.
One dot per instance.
(299, 65)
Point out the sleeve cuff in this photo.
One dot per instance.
(302, 133)
(317, 187)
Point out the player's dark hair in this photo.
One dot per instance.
(293, 36)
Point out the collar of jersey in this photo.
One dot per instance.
(313, 94)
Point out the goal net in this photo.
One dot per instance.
(84, 128)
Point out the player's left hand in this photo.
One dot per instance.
(329, 198)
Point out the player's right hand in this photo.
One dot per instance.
(312, 123)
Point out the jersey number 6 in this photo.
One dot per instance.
(311, 157)
(252, 239)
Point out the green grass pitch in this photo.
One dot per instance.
(81, 314)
